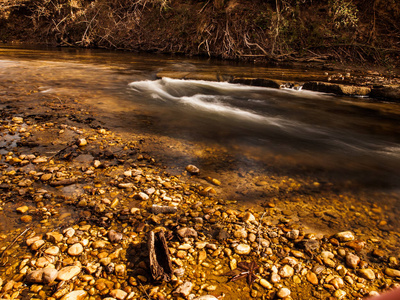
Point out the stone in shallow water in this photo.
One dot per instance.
(242, 249)
(49, 275)
(54, 237)
(192, 169)
(367, 274)
(53, 250)
(75, 295)
(114, 236)
(312, 278)
(118, 294)
(206, 297)
(67, 273)
(283, 293)
(35, 276)
(345, 236)
(184, 289)
(75, 249)
(26, 219)
(187, 232)
(22, 209)
(286, 271)
(352, 260)
(392, 272)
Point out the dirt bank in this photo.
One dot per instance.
(268, 31)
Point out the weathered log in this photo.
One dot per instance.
(160, 258)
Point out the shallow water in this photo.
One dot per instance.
(237, 133)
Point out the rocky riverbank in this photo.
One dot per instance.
(79, 200)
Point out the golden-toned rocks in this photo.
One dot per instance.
(67, 273)
(242, 249)
(75, 249)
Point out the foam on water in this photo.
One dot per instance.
(216, 101)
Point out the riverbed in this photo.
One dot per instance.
(314, 161)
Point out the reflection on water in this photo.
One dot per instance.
(342, 138)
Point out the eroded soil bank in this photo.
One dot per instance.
(89, 193)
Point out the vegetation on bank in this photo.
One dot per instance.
(273, 30)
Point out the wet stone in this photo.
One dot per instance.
(75, 249)
(283, 293)
(187, 232)
(54, 237)
(75, 295)
(392, 272)
(345, 236)
(367, 274)
(242, 249)
(54, 250)
(184, 289)
(35, 276)
(114, 236)
(293, 234)
(192, 169)
(118, 294)
(286, 271)
(352, 260)
(49, 275)
(26, 219)
(312, 278)
(67, 273)
(22, 209)
(37, 244)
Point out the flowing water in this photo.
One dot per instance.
(237, 133)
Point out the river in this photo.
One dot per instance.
(346, 150)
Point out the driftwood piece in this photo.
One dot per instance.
(160, 258)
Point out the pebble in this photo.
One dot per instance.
(283, 293)
(392, 272)
(75, 249)
(367, 274)
(187, 232)
(37, 244)
(22, 209)
(265, 284)
(114, 236)
(286, 271)
(184, 289)
(35, 276)
(49, 275)
(345, 236)
(53, 250)
(339, 294)
(312, 278)
(192, 169)
(75, 295)
(206, 297)
(352, 260)
(54, 237)
(81, 142)
(242, 249)
(248, 217)
(67, 273)
(26, 219)
(118, 294)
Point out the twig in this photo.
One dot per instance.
(59, 151)
(12, 243)
(144, 290)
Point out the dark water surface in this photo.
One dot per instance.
(285, 132)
